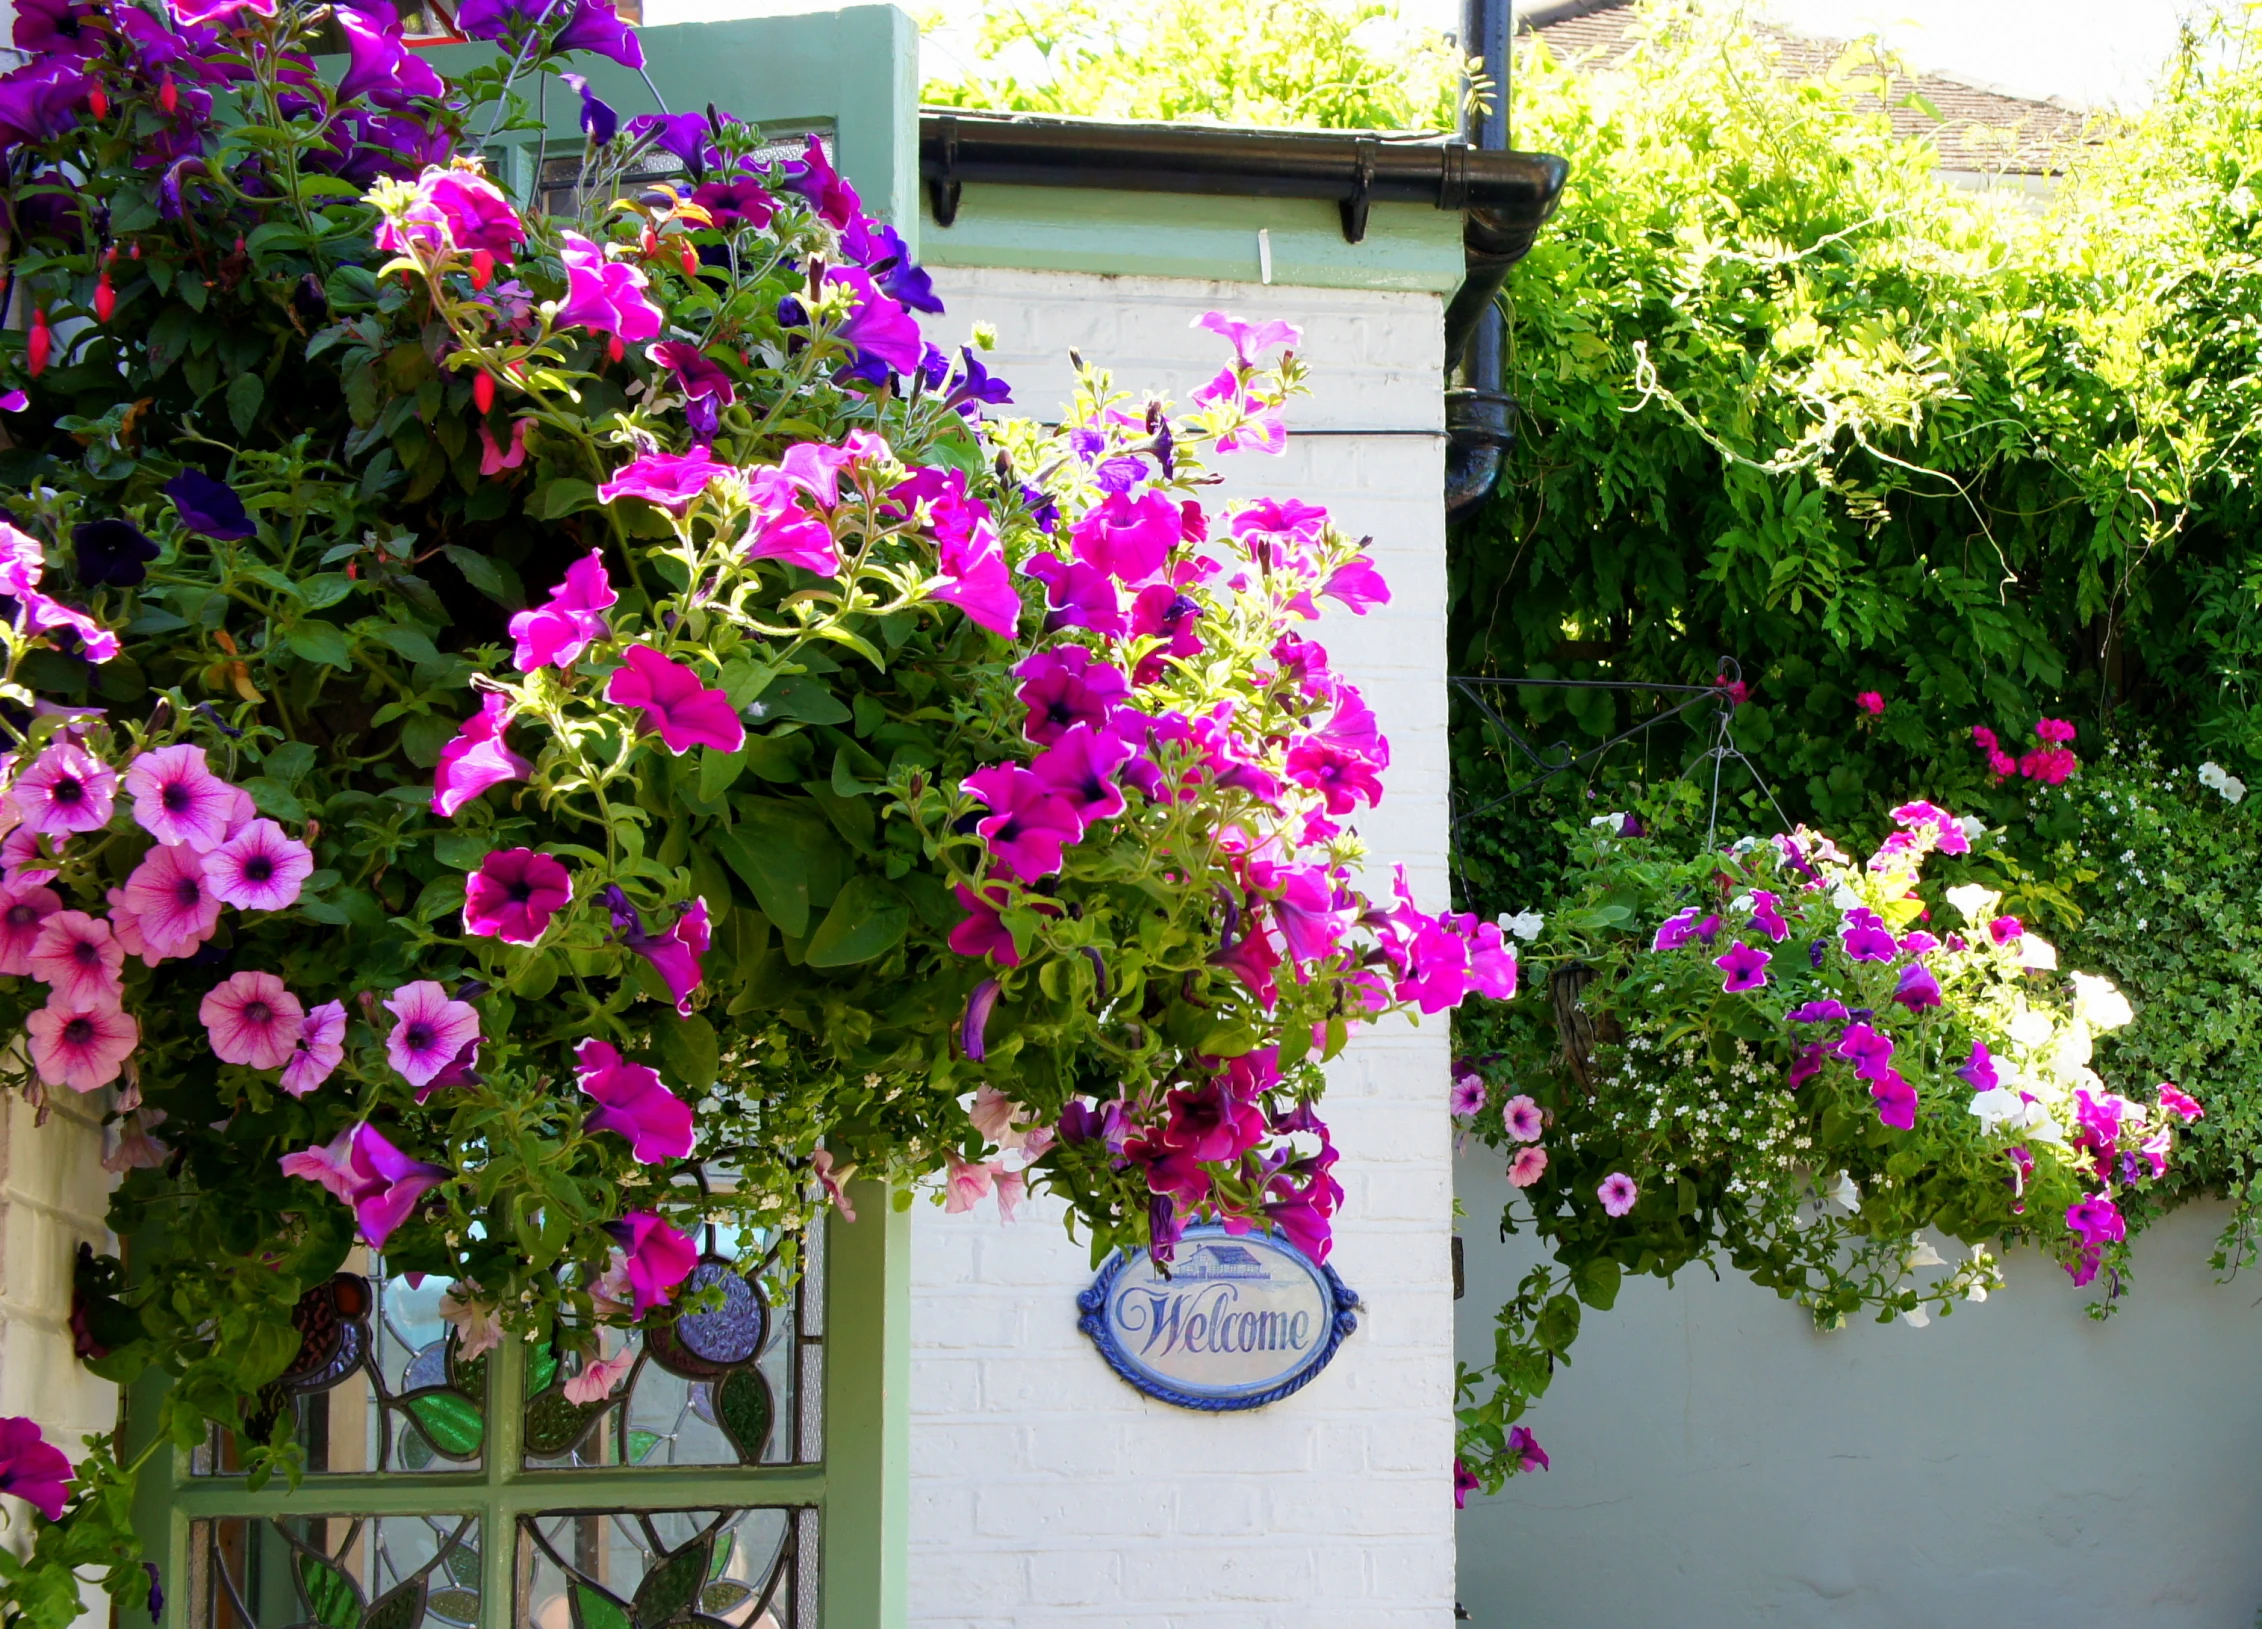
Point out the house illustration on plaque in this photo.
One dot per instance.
(1221, 1260)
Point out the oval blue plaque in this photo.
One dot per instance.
(1239, 1321)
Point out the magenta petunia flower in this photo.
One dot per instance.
(1805, 1065)
(1211, 1122)
(174, 908)
(261, 868)
(1523, 1118)
(32, 1468)
(1129, 538)
(1676, 930)
(684, 712)
(2180, 1103)
(604, 296)
(1065, 687)
(65, 789)
(1746, 968)
(2005, 929)
(252, 1020)
(1895, 1099)
(1819, 1012)
(1866, 937)
(380, 66)
(736, 202)
(479, 757)
(876, 325)
(1767, 915)
(177, 798)
(656, 1256)
(320, 1048)
(1028, 823)
(670, 480)
(513, 895)
(1343, 779)
(23, 907)
(675, 955)
(430, 1031)
(1870, 702)
(699, 376)
(1917, 988)
(77, 957)
(1357, 586)
(977, 580)
(1250, 339)
(1529, 1454)
(1080, 769)
(1870, 1053)
(1078, 596)
(780, 529)
(984, 932)
(454, 211)
(79, 1046)
(556, 633)
(1312, 916)
(1618, 1193)
(388, 1184)
(633, 1104)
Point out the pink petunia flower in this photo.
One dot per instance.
(1523, 1118)
(319, 1050)
(513, 895)
(174, 908)
(261, 868)
(177, 798)
(80, 1047)
(832, 1181)
(330, 1164)
(1028, 823)
(656, 1256)
(23, 907)
(556, 633)
(1746, 968)
(1528, 1166)
(477, 1323)
(78, 958)
(779, 528)
(477, 758)
(32, 1468)
(984, 932)
(670, 480)
(684, 712)
(388, 1184)
(1129, 538)
(65, 789)
(253, 1020)
(604, 296)
(1466, 1098)
(2180, 1103)
(966, 1184)
(633, 1104)
(430, 1031)
(1250, 339)
(599, 1376)
(1618, 1193)
(1065, 687)
(494, 459)
(676, 954)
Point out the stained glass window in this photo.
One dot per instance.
(445, 1492)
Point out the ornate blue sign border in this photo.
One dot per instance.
(1092, 1303)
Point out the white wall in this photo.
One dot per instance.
(1718, 1464)
(1044, 1490)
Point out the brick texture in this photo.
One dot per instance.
(1044, 1490)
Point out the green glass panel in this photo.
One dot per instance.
(401, 1608)
(742, 1405)
(463, 1564)
(451, 1420)
(720, 1600)
(726, 1545)
(594, 1609)
(554, 1425)
(671, 1589)
(641, 1444)
(331, 1599)
(541, 1368)
(416, 1449)
(455, 1605)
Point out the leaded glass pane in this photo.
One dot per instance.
(334, 1572)
(377, 1384)
(636, 1569)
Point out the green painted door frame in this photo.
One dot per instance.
(861, 1489)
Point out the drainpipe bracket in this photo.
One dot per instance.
(1362, 192)
(943, 188)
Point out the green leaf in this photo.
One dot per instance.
(331, 1598)
(320, 642)
(718, 771)
(592, 1608)
(399, 1608)
(413, 643)
(244, 399)
(671, 1589)
(866, 920)
(1597, 1282)
(689, 1048)
(787, 856)
(490, 576)
(557, 499)
(274, 799)
(744, 1410)
(795, 695)
(451, 1420)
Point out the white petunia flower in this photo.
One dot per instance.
(1846, 1193)
(1976, 903)
(2099, 1003)
(1916, 1317)
(1525, 925)
(1925, 1256)
(2038, 953)
(2031, 1028)
(1998, 1107)
(1973, 827)
(1845, 898)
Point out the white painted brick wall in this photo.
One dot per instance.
(1044, 1490)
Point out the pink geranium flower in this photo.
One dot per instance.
(1527, 1167)
(477, 758)
(174, 908)
(177, 798)
(1028, 824)
(670, 480)
(319, 1050)
(261, 868)
(1870, 702)
(66, 789)
(430, 1031)
(79, 1046)
(684, 712)
(603, 295)
(656, 1257)
(513, 895)
(78, 958)
(253, 1020)
(557, 633)
(633, 1104)
(23, 907)
(1618, 1193)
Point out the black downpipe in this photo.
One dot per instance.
(1480, 417)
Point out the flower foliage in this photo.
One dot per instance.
(510, 715)
(1807, 1064)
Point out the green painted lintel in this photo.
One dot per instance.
(1412, 247)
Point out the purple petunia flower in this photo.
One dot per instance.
(1979, 1072)
(1746, 968)
(598, 120)
(597, 28)
(1067, 686)
(110, 553)
(1895, 1099)
(32, 1468)
(378, 64)
(260, 868)
(1618, 1193)
(876, 325)
(814, 178)
(1866, 937)
(1917, 988)
(208, 507)
(674, 955)
(1028, 824)
(670, 480)
(682, 711)
(430, 1030)
(559, 631)
(1080, 767)
(633, 1104)
(973, 1030)
(684, 136)
(1521, 1442)
(1819, 1012)
(1805, 1064)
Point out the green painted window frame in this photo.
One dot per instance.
(860, 1489)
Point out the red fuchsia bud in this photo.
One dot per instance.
(98, 102)
(169, 95)
(651, 245)
(105, 298)
(41, 343)
(482, 268)
(690, 259)
(483, 392)
(133, 251)
(614, 349)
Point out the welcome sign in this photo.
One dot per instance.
(1235, 1321)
